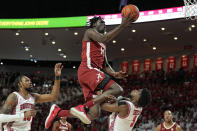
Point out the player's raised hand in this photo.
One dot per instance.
(126, 21)
(120, 75)
(58, 69)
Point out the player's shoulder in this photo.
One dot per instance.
(12, 99)
(132, 106)
(16, 93)
(69, 124)
(158, 127)
(35, 95)
(178, 127)
(56, 122)
(90, 32)
(12, 96)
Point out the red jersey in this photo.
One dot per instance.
(172, 128)
(93, 54)
(90, 73)
(62, 126)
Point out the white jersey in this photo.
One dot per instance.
(21, 106)
(117, 123)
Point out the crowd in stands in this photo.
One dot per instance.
(174, 90)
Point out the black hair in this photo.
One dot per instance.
(166, 108)
(93, 21)
(17, 81)
(145, 98)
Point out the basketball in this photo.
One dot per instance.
(130, 11)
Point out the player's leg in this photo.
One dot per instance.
(114, 90)
(90, 82)
(94, 112)
(105, 83)
(56, 111)
(93, 105)
(109, 87)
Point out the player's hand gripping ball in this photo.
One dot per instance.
(130, 11)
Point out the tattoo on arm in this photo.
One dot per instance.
(9, 104)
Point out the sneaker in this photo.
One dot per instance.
(52, 114)
(80, 113)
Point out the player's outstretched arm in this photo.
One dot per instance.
(55, 125)
(8, 107)
(117, 75)
(158, 128)
(92, 34)
(120, 106)
(108, 69)
(110, 107)
(55, 91)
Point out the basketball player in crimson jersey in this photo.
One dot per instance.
(62, 125)
(127, 110)
(91, 74)
(168, 124)
(18, 109)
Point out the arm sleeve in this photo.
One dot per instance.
(10, 118)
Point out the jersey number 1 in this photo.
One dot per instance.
(133, 121)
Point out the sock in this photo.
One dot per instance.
(89, 104)
(64, 113)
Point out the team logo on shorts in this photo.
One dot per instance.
(99, 77)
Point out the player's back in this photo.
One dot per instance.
(172, 128)
(93, 54)
(127, 123)
(21, 106)
(62, 126)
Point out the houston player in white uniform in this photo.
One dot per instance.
(18, 109)
(126, 111)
